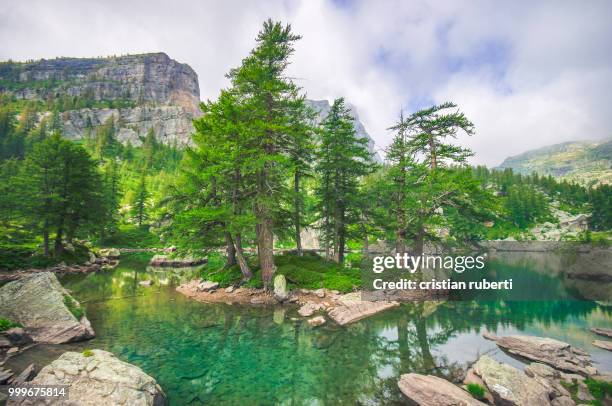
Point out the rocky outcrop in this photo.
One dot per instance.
(351, 309)
(606, 345)
(99, 378)
(38, 302)
(557, 354)
(428, 390)
(595, 266)
(164, 261)
(281, 293)
(509, 386)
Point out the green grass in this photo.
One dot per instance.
(476, 390)
(77, 311)
(6, 324)
(132, 236)
(87, 353)
(308, 272)
(600, 390)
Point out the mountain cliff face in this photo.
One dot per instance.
(323, 107)
(580, 161)
(141, 92)
(152, 90)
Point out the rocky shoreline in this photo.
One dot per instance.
(556, 375)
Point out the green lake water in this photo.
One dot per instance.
(238, 355)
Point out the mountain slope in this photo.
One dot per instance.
(580, 161)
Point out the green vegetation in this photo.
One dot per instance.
(601, 390)
(6, 324)
(476, 390)
(87, 353)
(74, 307)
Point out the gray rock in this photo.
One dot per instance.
(563, 401)
(229, 289)
(351, 308)
(428, 390)
(606, 345)
(207, 286)
(99, 379)
(557, 354)
(5, 376)
(509, 386)
(309, 308)
(164, 261)
(17, 336)
(606, 332)
(37, 302)
(320, 293)
(25, 376)
(281, 293)
(316, 321)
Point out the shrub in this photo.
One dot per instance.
(74, 308)
(87, 353)
(599, 389)
(476, 390)
(6, 324)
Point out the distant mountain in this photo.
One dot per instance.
(580, 161)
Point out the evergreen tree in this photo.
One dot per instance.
(139, 208)
(343, 159)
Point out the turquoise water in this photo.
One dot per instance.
(235, 355)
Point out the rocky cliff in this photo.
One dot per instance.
(141, 92)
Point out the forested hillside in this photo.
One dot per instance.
(585, 162)
(261, 165)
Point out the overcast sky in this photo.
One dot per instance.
(528, 74)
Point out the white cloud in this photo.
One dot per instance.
(527, 73)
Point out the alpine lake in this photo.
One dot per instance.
(267, 355)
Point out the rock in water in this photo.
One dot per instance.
(164, 261)
(316, 321)
(606, 332)
(309, 308)
(99, 379)
(509, 386)
(281, 293)
(37, 302)
(207, 286)
(606, 345)
(557, 354)
(352, 309)
(428, 390)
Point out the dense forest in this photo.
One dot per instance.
(258, 173)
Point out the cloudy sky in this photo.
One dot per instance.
(527, 73)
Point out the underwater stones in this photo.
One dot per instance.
(557, 354)
(99, 379)
(309, 308)
(37, 301)
(316, 321)
(281, 293)
(428, 390)
(509, 386)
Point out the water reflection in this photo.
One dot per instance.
(220, 354)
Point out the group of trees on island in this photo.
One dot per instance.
(262, 169)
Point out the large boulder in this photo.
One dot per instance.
(281, 293)
(557, 354)
(428, 390)
(38, 302)
(99, 378)
(509, 386)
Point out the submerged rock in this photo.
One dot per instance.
(509, 386)
(428, 390)
(309, 308)
(38, 302)
(281, 293)
(351, 308)
(99, 379)
(557, 354)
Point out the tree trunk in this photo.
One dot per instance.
(366, 246)
(432, 152)
(296, 190)
(244, 266)
(59, 247)
(341, 233)
(265, 246)
(46, 237)
(230, 251)
(419, 241)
